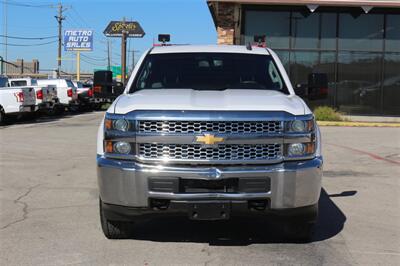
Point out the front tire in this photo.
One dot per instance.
(114, 229)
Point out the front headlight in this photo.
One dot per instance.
(296, 149)
(121, 125)
(117, 124)
(300, 149)
(300, 126)
(122, 147)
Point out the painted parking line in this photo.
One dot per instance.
(356, 124)
(372, 155)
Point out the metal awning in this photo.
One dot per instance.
(359, 3)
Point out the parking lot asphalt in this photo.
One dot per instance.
(49, 206)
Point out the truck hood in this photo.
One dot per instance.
(196, 100)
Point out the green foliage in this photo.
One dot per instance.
(325, 113)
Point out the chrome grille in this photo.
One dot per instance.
(225, 127)
(198, 152)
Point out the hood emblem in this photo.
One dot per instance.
(209, 139)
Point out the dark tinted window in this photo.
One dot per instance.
(361, 32)
(393, 33)
(359, 82)
(18, 83)
(274, 24)
(209, 71)
(391, 84)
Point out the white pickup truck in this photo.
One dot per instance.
(66, 91)
(46, 96)
(15, 101)
(210, 132)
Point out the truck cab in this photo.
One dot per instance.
(212, 133)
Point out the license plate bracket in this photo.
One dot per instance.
(209, 210)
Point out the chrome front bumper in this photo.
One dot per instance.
(293, 184)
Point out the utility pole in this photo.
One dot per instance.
(1, 65)
(108, 55)
(59, 18)
(5, 37)
(123, 55)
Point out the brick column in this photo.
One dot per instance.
(225, 21)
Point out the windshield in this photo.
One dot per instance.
(209, 71)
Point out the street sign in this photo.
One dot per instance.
(78, 40)
(130, 28)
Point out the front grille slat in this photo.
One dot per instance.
(197, 152)
(217, 127)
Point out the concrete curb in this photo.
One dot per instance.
(356, 124)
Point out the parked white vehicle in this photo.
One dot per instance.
(15, 101)
(66, 91)
(210, 132)
(85, 94)
(46, 95)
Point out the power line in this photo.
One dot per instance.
(20, 4)
(94, 58)
(36, 44)
(27, 38)
(91, 63)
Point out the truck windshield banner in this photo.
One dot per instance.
(78, 40)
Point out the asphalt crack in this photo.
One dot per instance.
(24, 208)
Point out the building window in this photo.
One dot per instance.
(361, 32)
(274, 24)
(393, 33)
(359, 82)
(313, 30)
(391, 84)
(359, 52)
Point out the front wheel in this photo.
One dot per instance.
(114, 229)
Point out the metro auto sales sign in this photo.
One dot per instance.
(78, 40)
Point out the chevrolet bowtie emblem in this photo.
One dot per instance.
(209, 139)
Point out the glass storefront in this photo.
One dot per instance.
(359, 52)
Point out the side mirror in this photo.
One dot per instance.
(301, 90)
(317, 86)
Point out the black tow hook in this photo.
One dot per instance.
(259, 205)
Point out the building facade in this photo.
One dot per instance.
(355, 42)
(21, 67)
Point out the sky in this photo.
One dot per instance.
(188, 22)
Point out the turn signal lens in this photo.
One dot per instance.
(310, 125)
(108, 123)
(310, 148)
(108, 146)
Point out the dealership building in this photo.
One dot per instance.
(355, 42)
